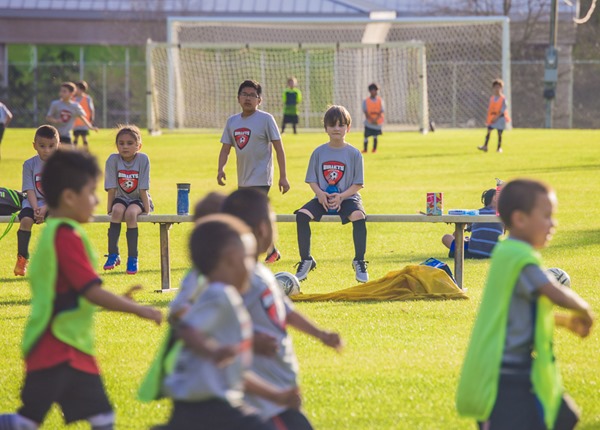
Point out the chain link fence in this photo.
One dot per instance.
(119, 92)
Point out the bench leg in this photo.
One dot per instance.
(459, 253)
(165, 258)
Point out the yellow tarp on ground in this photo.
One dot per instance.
(410, 283)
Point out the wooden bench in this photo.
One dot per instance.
(165, 223)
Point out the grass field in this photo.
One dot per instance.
(401, 362)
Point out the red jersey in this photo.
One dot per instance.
(75, 276)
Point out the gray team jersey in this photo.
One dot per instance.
(67, 113)
(4, 113)
(219, 313)
(342, 167)
(192, 285)
(269, 308)
(128, 178)
(252, 137)
(32, 179)
(521, 315)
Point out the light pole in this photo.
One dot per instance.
(551, 66)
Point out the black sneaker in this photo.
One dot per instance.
(304, 267)
(360, 268)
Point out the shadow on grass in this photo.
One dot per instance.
(554, 169)
(581, 238)
(12, 280)
(16, 302)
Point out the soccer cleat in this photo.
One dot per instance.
(482, 148)
(112, 261)
(374, 151)
(360, 268)
(274, 256)
(132, 265)
(364, 151)
(21, 266)
(304, 267)
(499, 150)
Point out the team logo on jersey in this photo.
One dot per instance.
(268, 303)
(65, 115)
(38, 183)
(333, 171)
(128, 180)
(242, 137)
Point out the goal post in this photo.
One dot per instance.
(463, 56)
(195, 85)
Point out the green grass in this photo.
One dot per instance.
(401, 362)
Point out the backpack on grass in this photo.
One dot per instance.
(10, 204)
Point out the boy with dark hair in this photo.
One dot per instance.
(6, 117)
(292, 97)
(211, 366)
(373, 109)
(484, 236)
(497, 115)
(254, 134)
(58, 341)
(336, 175)
(35, 210)
(271, 311)
(64, 111)
(510, 378)
(87, 104)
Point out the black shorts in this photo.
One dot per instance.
(291, 419)
(2, 128)
(211, 415)
(290, 119)
(348, 206)
(518, 408)
(264, 188)
(137, 202)
(66, 139)
(80, 395)
(28, 213)
(490, 128)
(81, 132)
(372, 132)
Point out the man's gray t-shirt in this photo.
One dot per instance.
(127, 177)
(252, 136)
(67, 113)
(32, 180)
(521, 315)
(219, 314)
(342, 167)
(269, 307)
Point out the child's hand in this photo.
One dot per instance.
(335, 201)
(332, 340)
(580, 322)
(290, 398)
(323, 198)
(40, 214)
(150, 313)
(223, 355)
(95, 129)
(263, 344)
(221, 178)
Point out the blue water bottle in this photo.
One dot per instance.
(183, 199)
(331, 189)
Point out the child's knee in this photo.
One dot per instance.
(132, 213)
(103, 421)
(26, 224)
(447, 240)
(357, 216)
(118, 210)
(304, 215)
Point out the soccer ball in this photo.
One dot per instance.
(561, 276)
(288, 283)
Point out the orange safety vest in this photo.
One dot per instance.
(85, 104)
(374, 109)
(494, 109)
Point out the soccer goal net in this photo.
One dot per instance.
(195, 86)
(437, 69)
